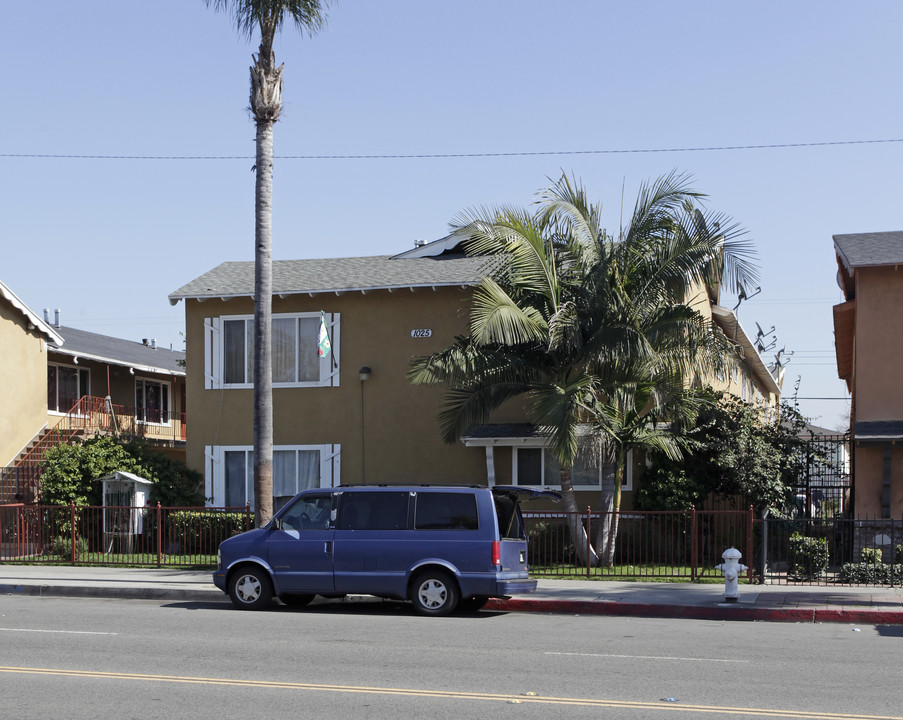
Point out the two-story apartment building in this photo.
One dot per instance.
(61, 382)
(352, 416)
(868, 336)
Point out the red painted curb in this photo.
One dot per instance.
(697, 612)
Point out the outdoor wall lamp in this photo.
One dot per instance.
(364, 373)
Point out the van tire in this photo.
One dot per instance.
(434, 592)
(250, 588)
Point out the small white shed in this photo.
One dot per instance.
(125, 496)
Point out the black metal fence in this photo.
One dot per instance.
(689, 546)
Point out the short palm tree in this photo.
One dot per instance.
(267, 16)
(591, 331)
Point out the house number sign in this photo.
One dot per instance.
(422, 333)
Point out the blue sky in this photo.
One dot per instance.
(580, 86)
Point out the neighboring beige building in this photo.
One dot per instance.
(353, 417)
(24, 339)
(868, 336)
(59, 382)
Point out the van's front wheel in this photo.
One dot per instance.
(250, 588)
(434, 592)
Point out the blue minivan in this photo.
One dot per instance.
(443, 548)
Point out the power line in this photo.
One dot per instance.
(434, 156)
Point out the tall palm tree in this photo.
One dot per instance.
(592, 332)
(267, 16)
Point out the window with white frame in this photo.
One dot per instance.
(230, 472)
(152, 401)
(537, 466)
(229, 351)
(66, 384)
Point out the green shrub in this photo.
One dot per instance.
(898, 555)
(869, 573)
(61, 546)
(549, 543)
(871, 556)
(808, 556)
(200, 532)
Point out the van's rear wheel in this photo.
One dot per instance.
(250, 588)
(434, 592)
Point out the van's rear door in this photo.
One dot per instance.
(512, 531)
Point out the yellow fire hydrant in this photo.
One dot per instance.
(731, 568)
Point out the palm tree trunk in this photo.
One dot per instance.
(614, 507)
(575, 525)
(266, 103)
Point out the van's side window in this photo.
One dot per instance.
(373, 511)
(446, 511)
(309, 513)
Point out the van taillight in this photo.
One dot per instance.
(496, 552)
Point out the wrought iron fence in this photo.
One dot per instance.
(134, 536)
(636, 545)
(630, 545)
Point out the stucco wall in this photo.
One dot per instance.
(386, 427)
(23, 383)
(869, 481)
(878, 358)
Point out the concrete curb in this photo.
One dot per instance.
(720, 611)
(717, 612)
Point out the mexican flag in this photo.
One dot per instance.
(323, 344)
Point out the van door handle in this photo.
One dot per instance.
(327, 547)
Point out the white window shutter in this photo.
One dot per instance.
(331, 365)
(330, 464)
(212, 354)
(214, 480)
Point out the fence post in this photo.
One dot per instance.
(694, 544)
(893, 553)
(72, 531)
(749, 543)
(159, 535)
(589, 520)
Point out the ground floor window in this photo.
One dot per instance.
(230, 473)
(66, 384)
(151, 401)
(537, 466)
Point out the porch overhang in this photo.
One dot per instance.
(878, 433)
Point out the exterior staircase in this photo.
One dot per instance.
(20, 481)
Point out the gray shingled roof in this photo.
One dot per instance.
(88, 345)
(354, 274)
(865, 249)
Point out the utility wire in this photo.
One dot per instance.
(432, 156)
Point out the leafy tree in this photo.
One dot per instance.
(70, 473)
(590, 331)
(739, 450)
(267, 17)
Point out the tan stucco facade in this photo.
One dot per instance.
(387, 429)
(868, 337)
(879, 344)
(23, 382)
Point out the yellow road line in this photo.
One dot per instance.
(449, 695)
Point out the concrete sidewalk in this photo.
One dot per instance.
(774, 603)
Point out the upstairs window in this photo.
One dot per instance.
(151, 401)
(65, 386)
(229, 351)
